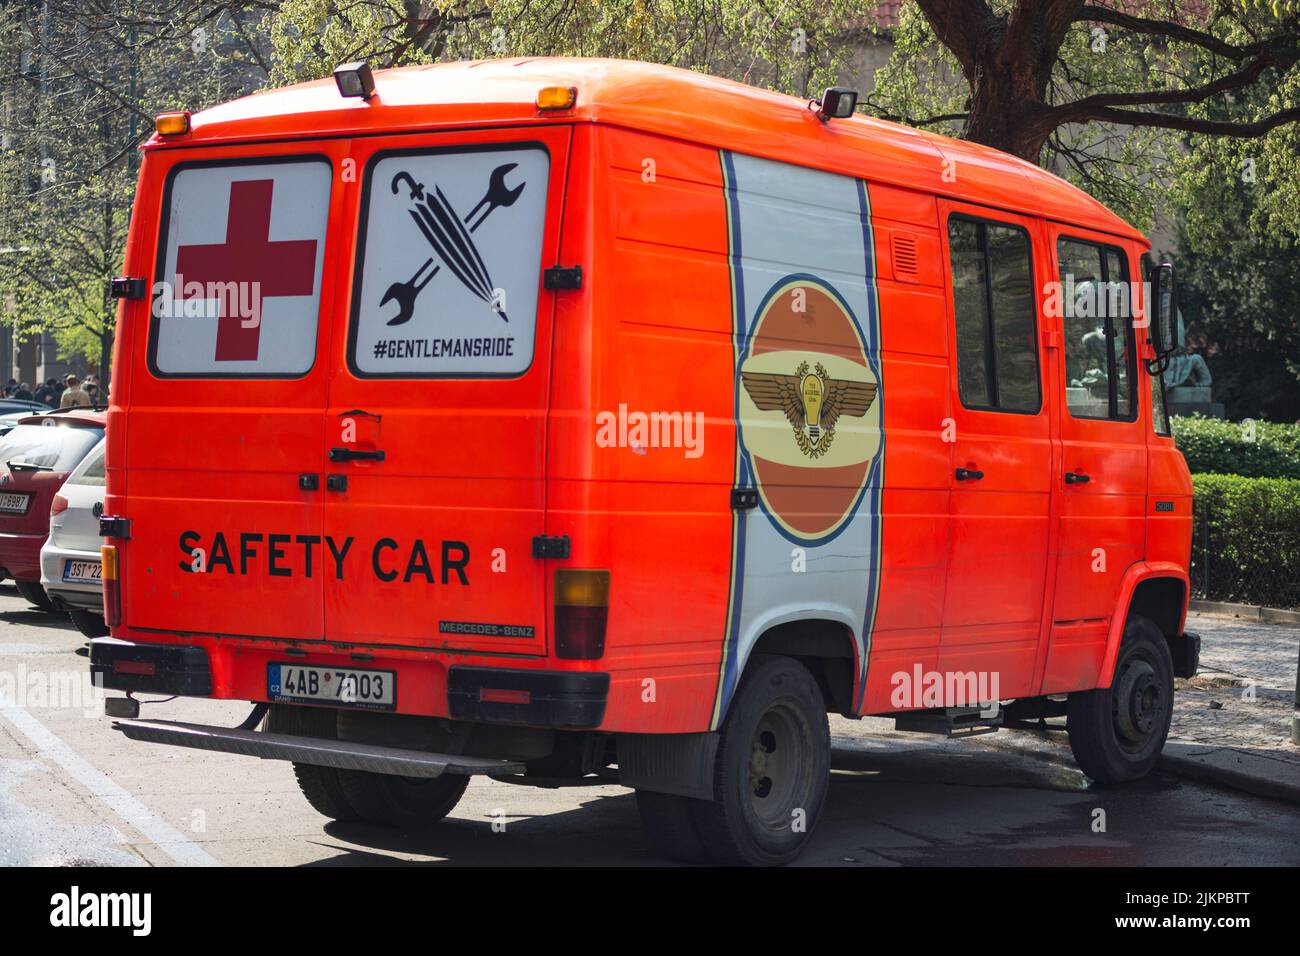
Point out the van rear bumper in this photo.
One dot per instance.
(150, 668)
(499, 695)
(569, 700)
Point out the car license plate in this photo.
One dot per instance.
(14, 503)
(337, 686)
(89, 571)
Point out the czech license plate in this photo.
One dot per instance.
(88, 571)
(14, 503)
(336, 686)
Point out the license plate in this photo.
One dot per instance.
(337, 686)
(14, 503)
(83, 571)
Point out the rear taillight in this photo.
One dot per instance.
(581, 613)
(112, 585)
(58, 505)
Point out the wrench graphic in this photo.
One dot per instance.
(496, 196)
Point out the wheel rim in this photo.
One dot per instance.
(777, 781)
(1138, 703)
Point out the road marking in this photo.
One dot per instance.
(162, 834)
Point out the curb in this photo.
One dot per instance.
(1247, 612)
(1238, 770)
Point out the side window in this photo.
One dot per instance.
(1099, 349)
(993, 301)
(237, 290)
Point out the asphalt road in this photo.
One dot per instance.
(73, 791)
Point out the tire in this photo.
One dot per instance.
(755, 818)
(35, 594)
(320, 785)
(1117, 732)
(88, 623)
(666, 819)
(389, 801)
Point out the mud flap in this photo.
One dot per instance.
(680, 764)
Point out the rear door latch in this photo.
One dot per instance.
(551, 546)
(113, 526)
(562, 277)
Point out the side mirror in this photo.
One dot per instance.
(837, 102)
(1162, 313)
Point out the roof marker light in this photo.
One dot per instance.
(355, 79)
(172, 124)
(838, 102)
(557, 97)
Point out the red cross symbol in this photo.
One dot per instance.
(248, 256)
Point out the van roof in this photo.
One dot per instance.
(659, 99)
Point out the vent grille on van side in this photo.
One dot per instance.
(904, 254)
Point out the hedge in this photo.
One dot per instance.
(1255, 449)
(1246, 540)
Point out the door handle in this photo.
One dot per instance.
(969, 474)
(353, 454)
(1076, 478)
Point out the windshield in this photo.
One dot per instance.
(46, 447)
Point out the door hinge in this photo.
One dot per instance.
(744, 499)
(562, 277)
(551, 546)
(113, 526)
(126, 287)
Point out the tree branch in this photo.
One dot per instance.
(1173, 31)
(1196, 94)
(1193, 125)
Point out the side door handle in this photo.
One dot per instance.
(1076, 478)
(353, 454)
(969, 474)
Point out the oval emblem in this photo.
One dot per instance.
(97, 508)
(809, 409)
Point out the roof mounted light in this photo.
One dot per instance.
(172, 124)
(557, 97)
(838, 102)
(355, 79)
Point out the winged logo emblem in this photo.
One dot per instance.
(811, 400)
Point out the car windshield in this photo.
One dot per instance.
(48, 448)
(91, 469)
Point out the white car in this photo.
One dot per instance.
(70, 564)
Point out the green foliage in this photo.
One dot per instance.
(1248, 449)
(1246, 540)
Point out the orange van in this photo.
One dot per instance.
(550, 419)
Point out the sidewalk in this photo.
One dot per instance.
(1232, 721)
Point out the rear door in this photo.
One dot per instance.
(227, 393)
(436, 428)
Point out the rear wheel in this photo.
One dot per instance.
(320, 785)
(772, 768)
(88, 622)
(391, 801)
(1117, 732)
(34, 593)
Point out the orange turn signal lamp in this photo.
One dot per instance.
(172, 124)
(557, 97)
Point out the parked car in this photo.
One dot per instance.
(38, 455)
(10, 405)
(70, 568)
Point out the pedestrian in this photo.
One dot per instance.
(73, 395)
(92, 389)
(47, 393)
(23, 392)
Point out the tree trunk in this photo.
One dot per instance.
(1007, 112)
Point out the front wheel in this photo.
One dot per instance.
(772, 768)
(1117, 732)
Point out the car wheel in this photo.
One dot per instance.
(35, 594)
(1117, 732)
(772, 768)
(320, 785)
(88, 622)
(389, 801)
